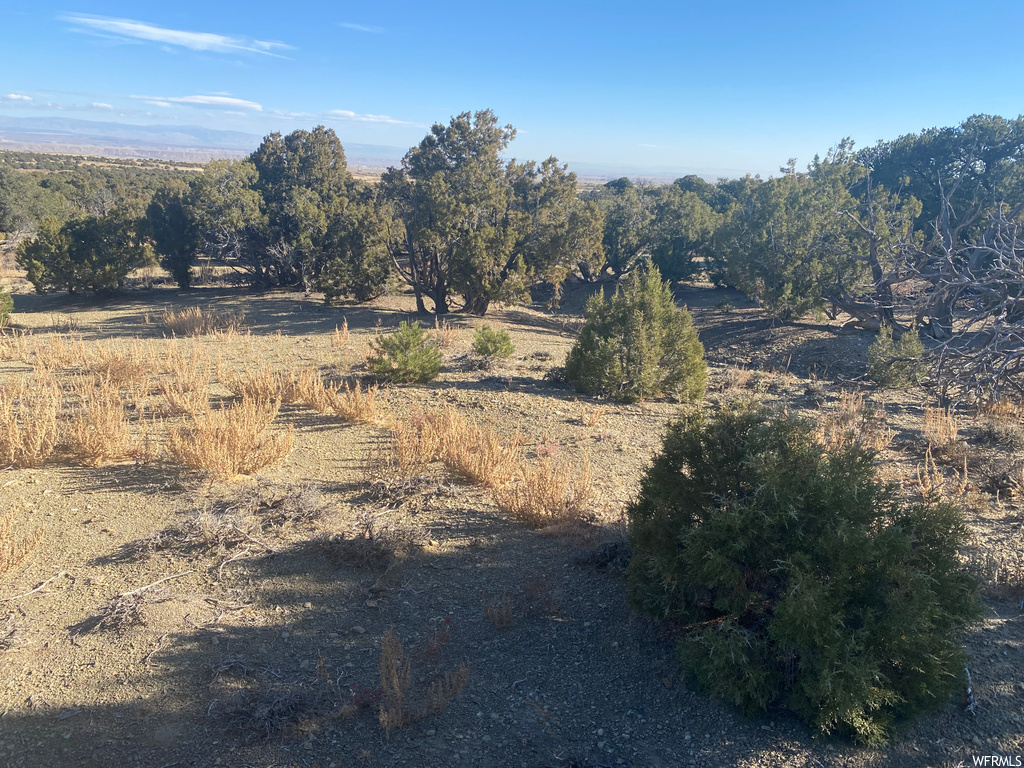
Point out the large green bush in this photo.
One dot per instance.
(406, 356)
(805, 583)
(638, 344)
(491, 344)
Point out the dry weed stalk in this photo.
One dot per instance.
(445, 334)
(261, 384)
(850, 422)
(1003, 409)
(941, 427)
(396, 711)
(341, 336)
(404, 453)
(14, 547)
(193, 321)
(29, 428)
(351, 403)
(934, 486)
(232, 441)
(99, 431)
(14, 345)
(547, 493)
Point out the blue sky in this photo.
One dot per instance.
(720, 88)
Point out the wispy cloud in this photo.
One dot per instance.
(17, 97)
(217, 102)
(130, 29)
(355, 117)
(102, 105)
(361, 28)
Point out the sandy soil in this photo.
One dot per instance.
(245, 634)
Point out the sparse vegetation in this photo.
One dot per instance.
(232, 441)
(194, 321)
(896, 364)
(29, 427)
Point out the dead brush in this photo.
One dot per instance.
(403, 454)
(852, 422)
(354, 404)
(194, 321)
(547, 493)
(99, 431)
(125, 367)
(340, 337)
(29, 426)
(202, 533)
(444, 334)
(1003, 574)
(57, 352)
(941, 427)
(232, 441)
(737, 378)
(186, 387)
(15, 546)
(934, 486)
(277, 506)
(474, 452)
(397, 708)
(262, 384)
(123, 613)
(14, 345)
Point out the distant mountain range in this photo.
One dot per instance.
(193, 143)
(158, 142)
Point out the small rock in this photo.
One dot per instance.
(358, 631)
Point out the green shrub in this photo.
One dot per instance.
(6, 307)
(899, 364)
(492, 344)
(805, 583)
(638, 345)
(405, 356)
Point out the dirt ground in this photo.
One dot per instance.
(264, 651)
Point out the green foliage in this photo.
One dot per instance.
(683, 230)
(173, 229)
(406, 356)
(93, 253)
(805, 582)
(492, 344)
(637, 345)
(896, 364)
(6, 307)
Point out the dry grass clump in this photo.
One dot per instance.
(852, 422)
(263, 383)
(934, 485)
(445, 334)
(125, 367)
(29, 428)
(14, 345)
(501, 612)
(186, 387)
(15, 547)
(547, 493)
(396, 708)
(354, 404)
(201, 533)
(340, 336)
(99, 431)
(404, 453)
(941, 427)
(474, 452)
(193, 321)
(232, 441)
(56, 352)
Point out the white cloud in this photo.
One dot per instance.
(17, 97)
(129, 29)
(102, 105)
(227, 102)
(362, 28)
(354, 117)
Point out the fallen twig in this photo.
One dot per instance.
(37, 588)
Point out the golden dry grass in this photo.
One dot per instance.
(355, 404)
(186, 386)
(406, 451)
(99, 431)
(194, 321)
(263, 383)
(232, 441)
(547, 493)
(29, 426)
(445, 334)
(474, 452)
(126, 365)
(57, 352)
(340, 337)
(941, 427)
(851, 422)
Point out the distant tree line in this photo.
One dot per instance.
(919, 232)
